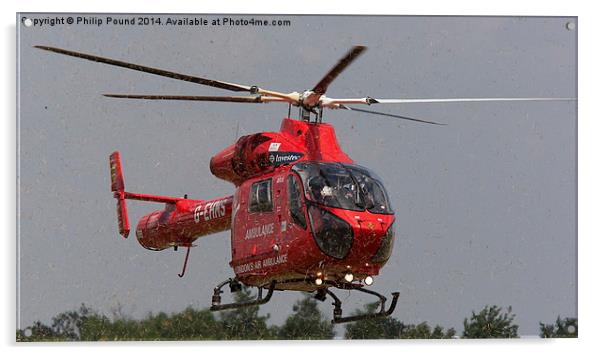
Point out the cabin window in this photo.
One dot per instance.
(261, 196)
(295, 202)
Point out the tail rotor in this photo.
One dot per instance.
(118, 189)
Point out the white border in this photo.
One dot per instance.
(589, 172)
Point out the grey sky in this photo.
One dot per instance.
(485, 206)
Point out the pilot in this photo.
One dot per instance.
(320, 191)
(349, 189)
(315, 185)
(367, 189)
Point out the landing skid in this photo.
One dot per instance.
(216, 300)
(321, 294)
(337, 312)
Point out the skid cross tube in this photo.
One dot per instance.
(337, 312)
(216, 299)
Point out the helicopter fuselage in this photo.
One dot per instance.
(280, 231)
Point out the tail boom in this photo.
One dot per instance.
(179, 224)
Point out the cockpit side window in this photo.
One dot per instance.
(344, 186)
(261, 196)
(329, 184)
(295, 202)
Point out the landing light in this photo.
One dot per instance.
(349, 277)
(319, 281)
(368, 280)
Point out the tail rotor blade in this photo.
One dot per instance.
(391, 115)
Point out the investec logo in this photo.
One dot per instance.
(278, 158)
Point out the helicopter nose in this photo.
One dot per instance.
(368, 228)
(373, 239)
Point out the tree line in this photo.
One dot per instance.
(304, 323)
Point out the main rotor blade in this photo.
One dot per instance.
(160, 72)
(322, 86)
(242, 99)
(391, 115)
(370, 100)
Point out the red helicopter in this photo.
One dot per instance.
(303, 216)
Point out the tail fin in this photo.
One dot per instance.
(118, 189)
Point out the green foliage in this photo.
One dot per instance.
(391, 328)
(99, 327)
(65, 327)
(564, 328)
(424, 331)
(307, 322)
(87, 325)
(491, 322)
(376, 328)
(190, 324)
(39, 332)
